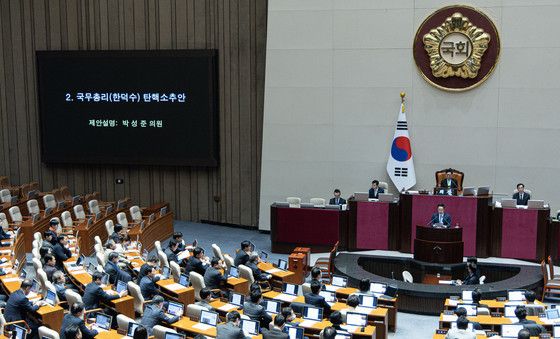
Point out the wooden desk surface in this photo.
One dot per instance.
(478, 336)
(489, 320)
(283, 275)
(112, 334)
(378, 312)
(492, 303)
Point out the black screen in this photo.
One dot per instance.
(129, 107)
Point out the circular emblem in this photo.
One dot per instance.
(400, 149)
(456, 48)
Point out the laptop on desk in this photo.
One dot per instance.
(535, 204)
(102, 322)
(282, 264)
(470, 308)
(175, 309)
(469, 191)
(236, 299)
(250, 326)
(512, 203)
(361, 196)
(171, 335)
(294, 332)
(511, 330)
(18, 332)
(312, 314)
(516, 295)
(375, 287)
(386, 197)
(273, 307)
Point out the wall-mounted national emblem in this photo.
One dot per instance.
(456, 48)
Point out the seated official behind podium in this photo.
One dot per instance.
(521, 197)
(375, 190)
(449, 182)
(337, 200)
(472, 277)
(440, 217)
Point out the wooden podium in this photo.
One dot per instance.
(438, 245)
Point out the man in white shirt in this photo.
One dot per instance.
(461, 332)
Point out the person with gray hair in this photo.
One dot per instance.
(154, 315)
(257, 273)
(231, 329)
(76, 318)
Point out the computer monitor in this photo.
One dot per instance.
(516, 295)
(509, 203)
(171, 335)
(470, 327)
(35, 287)
(535, 203)
(236, 299)
(556, 331)
(184, 280)
(290, 289)
(131, 328)
(50, 297)
(313, 313)
(330, 297)
(165, 272)
(263, 256)
(466, 296)
(18, 332)
(470, 308)
(121, 286)
(339, 281)
(273, 306)
(293, 332)
(282, 264)
(175, 308)
(250, 326)
(103, 321)
(483, 190)
(233, 272)
(509, 311)
(91, 269)
(368, 300)
(80, 260)
(469, 191)
(356, 319)
(23, 274)
(377, 287)
(552, 313)
(391, 291)
(209, 318)
(511, 330)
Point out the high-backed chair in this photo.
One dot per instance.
(33, 207)
(247, 274)
(65, 191)
(228, 260)
(197, 282)
(162, 259)
(101, 258)
(193, 311)
(97, 240)
(294, 202)
(139, 301)
(136, 214)
(72, 297)
(66, 219)
(47, 332)
(35, 253)
(93, 206)
(57, 195)
(15, 214)
(42, 278)
(159, 331)
(39, 238)
(157, 245)
(384, 185)
(110, 227)
(218, 252)
(455, 174)
(4, 222)
(79, 212)
(121, 219)
(407, 277)
(37, 264)
(319, 202)
(50, 201)
(175, 270)
(326, 264)
(123, 321)
(5, 195)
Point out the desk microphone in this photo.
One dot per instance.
(393, 275)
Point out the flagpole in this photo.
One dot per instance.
(403, 94)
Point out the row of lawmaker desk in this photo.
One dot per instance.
(368, 225)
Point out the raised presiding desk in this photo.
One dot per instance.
(373, 225)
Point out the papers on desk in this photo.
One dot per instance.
(445, 282)
(332, 288)
(547, 321)
(350, 328)
(307, 323)
(13, 279)
(363, 310)
(80, 270)
(285, 297)
(74, 268)
(227, 307)
(449, 317)
(452, 302)
(273, 270)
(3, 260)
(202, 327)
(6, 265)
(183, 255)
(174, 287)
(5, 251)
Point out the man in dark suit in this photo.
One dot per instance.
(76, 318)
(53, 225)
(48, 240)
(337, 200)
(61, 252)
(118, 234)
(115, 272)
(18, 307)
(153, 315)
(94, 294)
(50, 266)
(254, 310)
(315, 299)
(213, 278)
(440, 217)
(375, 190)
(231, 329)
(258, 275)
(472, 277)
(276, 331)
(521, 196)
(194, 262)
(242, 256)
(178, 238)
(148, 286)
(170, 251)
(530, 325)
(153, 261)
(448, 181)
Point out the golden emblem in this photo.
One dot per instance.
(456, 47)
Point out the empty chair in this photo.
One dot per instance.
(123, 321)
(139, 301)
(482, 311)
(35, 252)
(93, 207)
(193, 311)
(5, 195)
(121, 219)
(228, 260)
(294, 201)
(79, 212)
(58, 195)
(110, 227)
(136, 214)
(98, 248)
(159, 331)
(197, 282)
(101, 259)
(33, 207)
(65, 191)
(67, 219)
(162, 259)
(49, 201)
(175, 270)
(407, 276)
(48, 333)
(319, 202)
(218, 252)
(15, 214)
(4, 222)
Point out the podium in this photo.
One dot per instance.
(438, 245)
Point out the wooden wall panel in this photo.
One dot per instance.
(237, 28)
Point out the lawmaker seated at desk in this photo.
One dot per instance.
(154, 315)
(76, 318)
(375, 190)
(462, 331)
(337, 200)
(19, 307)
(94, 294)
(231, 328)
(530, 325)
(315, 299)
(472, 277)
(521, 197)
(532, 308)
(440, 218)
(448, 181)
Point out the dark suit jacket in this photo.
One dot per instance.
(61, 254)
(144, 269)
(49, 270)
(524, 201)
(213, 278)
(341, 201)
(229, 331)
(257, 273)
(274, 334)
(94, 294)
(471, 279)
(153, 316)
(54, 238)
(70, 320)
(3, 235)
(148, 288)
(240, 258)
(444, 183)
(446, 219)
(375, 195)
(18, 307)
(257, 312)
(194, 264)
(317, 301)
(171, 256)
(116, 237)
(60, 291)
(115, 273)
